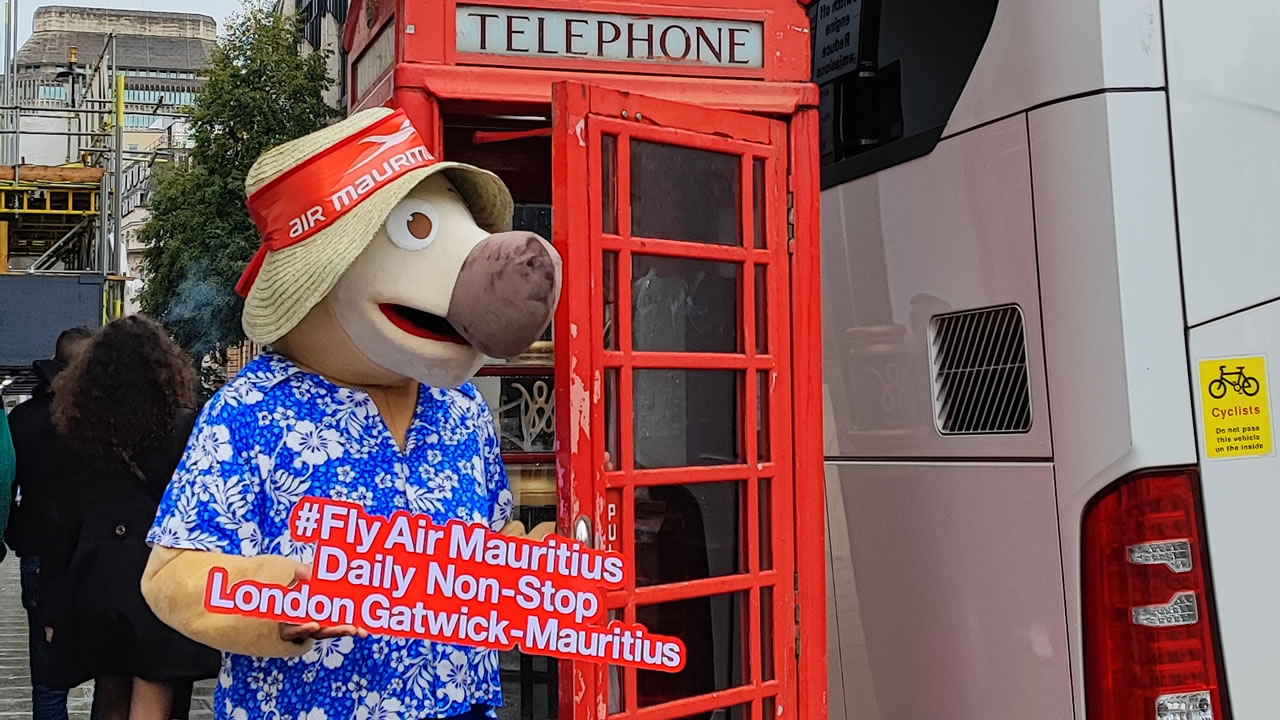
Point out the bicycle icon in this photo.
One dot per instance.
(1238, 380)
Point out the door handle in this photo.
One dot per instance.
(582, 531)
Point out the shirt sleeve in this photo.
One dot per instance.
(212, 502)
(8, 469)
(499, 485)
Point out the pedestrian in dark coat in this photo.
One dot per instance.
(128, 403)
(43, 462)
(42, 458)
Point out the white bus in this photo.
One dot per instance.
(1051, 252)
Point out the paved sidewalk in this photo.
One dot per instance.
(15, 681)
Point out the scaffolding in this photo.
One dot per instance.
(66, 218)
(67, 181)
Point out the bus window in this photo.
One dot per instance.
(890, 72)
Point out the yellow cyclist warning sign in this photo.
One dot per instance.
(1236, 406)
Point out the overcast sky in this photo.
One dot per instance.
(217, 9)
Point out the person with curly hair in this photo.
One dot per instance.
(127, 404)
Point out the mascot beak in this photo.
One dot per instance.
(506, 293)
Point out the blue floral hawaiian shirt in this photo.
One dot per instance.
(276, 433)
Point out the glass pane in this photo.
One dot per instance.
(530, 683)
(766, 524)
(684, 305)
(609, 184)
(688, 532)
(610, 281)
(687, 418)
(768, 708)
(762, 416)
(533, 217)
(762, 309)
(617, 676)
(612, 461)
(712, 629)
(533, 489)
(530, 687)
(539, 353)
(759, 202)
(524, 407)
(490, 388)
(766, 633)
(679, 193)
(737, 712)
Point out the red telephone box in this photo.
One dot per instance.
(672, 149)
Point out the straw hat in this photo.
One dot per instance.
(295, 279)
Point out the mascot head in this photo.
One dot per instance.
(381, 264)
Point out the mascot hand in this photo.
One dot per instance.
(174, 586)
(312, 631)
(541, 531)
(538, 533)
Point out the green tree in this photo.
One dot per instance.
(259, 92)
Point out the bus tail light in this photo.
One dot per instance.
(1150, 640)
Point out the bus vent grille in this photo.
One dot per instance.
(981, 382)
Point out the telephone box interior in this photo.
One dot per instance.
(480, 81)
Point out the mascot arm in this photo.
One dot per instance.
(174, 586)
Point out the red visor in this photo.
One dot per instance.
(312, 196)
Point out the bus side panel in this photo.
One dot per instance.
(948, 232)
(847, 659)
(1240, 501)
(1224, 98)
(1044, 50)
(958, 609)
(1115, 342)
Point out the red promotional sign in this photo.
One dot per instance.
(456, 583)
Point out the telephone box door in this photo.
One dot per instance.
(674, 394)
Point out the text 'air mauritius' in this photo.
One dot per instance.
(457, 583)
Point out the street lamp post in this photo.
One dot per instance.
(71, 73)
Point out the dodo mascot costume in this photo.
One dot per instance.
(384, 279)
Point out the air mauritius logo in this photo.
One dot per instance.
(384, 143)
(324, 187)
(399, 152)
(411, 154)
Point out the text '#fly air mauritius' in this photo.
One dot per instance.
(408, 577)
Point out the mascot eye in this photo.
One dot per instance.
(412, 224)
